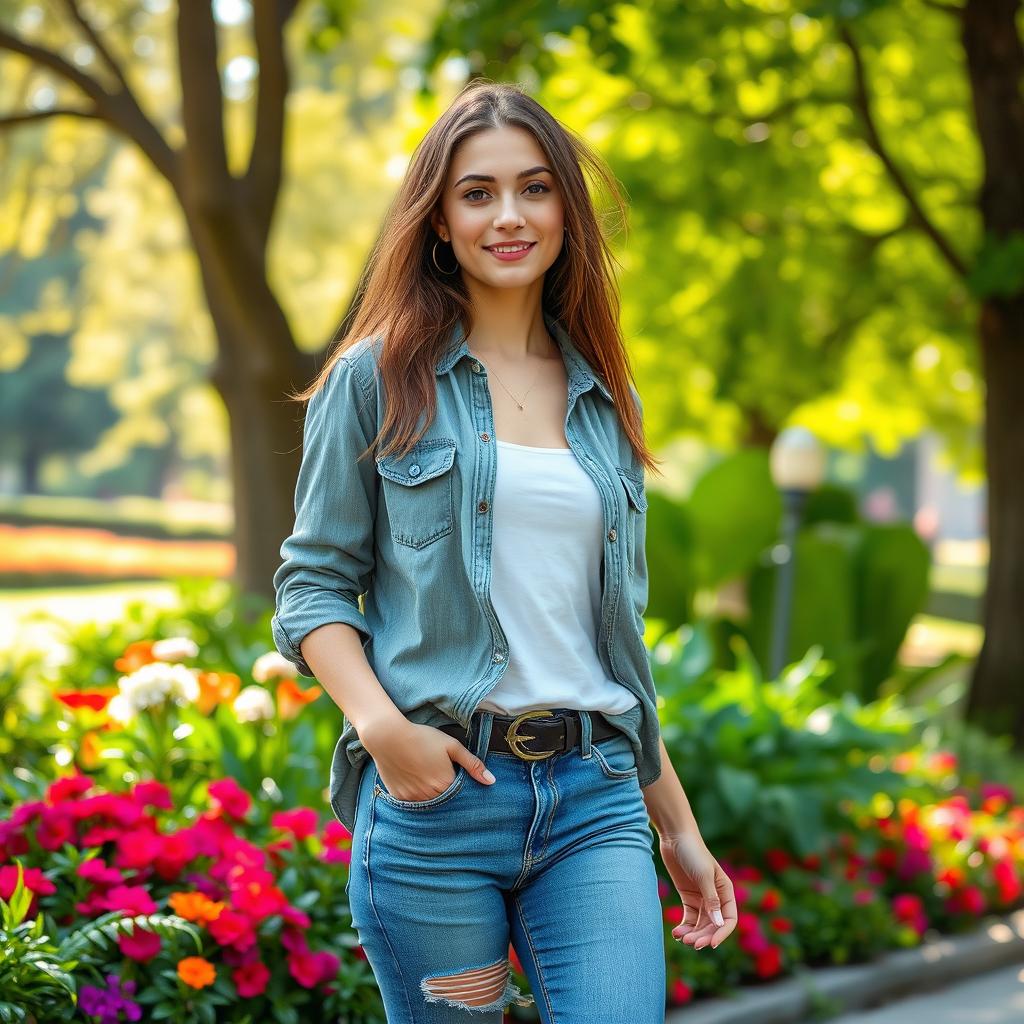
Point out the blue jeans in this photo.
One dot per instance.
(555, 857)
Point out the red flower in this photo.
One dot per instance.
(680, 993)
(95, 700)
(768, 962)
(230, 799)
(771, 900)
(141, 945)
(777, 859)
(335, 834)
(259, 900)
(68, 787)
(781, 924)
(233, 929)
(251, 979)
(302, 822)
(176, 851)
(294, 916)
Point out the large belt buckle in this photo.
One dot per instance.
(515, 740)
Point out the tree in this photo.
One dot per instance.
(828, 215)
(228, 216)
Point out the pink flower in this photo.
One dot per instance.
(97, 872)
(35, 881)
(152, 794)
(131, 900)
(56, 827)
(302, 822)
(310, 969)
(176, 851)
(293, 915)
(335, 834)
(137, 849)
(229, 798)
(141, 945)
(251, 979)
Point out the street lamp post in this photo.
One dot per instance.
(797, 460)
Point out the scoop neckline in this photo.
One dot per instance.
(531, 448)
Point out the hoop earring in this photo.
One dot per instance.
(433, 253)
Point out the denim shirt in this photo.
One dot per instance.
(412, 534)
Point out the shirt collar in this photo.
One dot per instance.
(581, 376)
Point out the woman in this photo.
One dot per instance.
(501, 758)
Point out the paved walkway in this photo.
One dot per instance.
(996, 997)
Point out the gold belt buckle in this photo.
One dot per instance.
(515, 740)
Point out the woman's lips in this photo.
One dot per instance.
(509, 256)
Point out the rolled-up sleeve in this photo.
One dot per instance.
(328, 558)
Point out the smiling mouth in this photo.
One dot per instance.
(509, 249)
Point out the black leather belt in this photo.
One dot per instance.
(538, 734)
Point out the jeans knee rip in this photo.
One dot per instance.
(456, 989)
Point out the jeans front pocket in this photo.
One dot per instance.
(418, 491)
(615, 757)
(421, 805)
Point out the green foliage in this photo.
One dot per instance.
(785, 753)
(36, 980)
(857, 588)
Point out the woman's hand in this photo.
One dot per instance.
(415, 762)
(709, 903)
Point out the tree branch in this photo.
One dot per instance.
(10, 120)
(862, 101)
(97, 42)
(119, 109)
(263, 176)
(204, 156)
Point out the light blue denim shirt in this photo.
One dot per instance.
(411, 536)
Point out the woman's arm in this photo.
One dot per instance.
(667, 804)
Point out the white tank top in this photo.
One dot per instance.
(546, 584)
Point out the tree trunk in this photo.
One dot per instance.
(995, 60)
(257, 365)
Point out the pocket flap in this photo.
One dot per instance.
(634, 485)
(426, 460)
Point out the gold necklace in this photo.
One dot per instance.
(502, 383)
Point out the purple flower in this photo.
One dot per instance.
(108, 1004)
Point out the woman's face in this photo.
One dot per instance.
(489, 201)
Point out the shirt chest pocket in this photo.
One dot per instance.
(636, 509)
(418, 492)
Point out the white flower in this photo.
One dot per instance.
(120, 710)
(175, 648)
(273, 666)
(158, 683)
(253, 704)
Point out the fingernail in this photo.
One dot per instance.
(487, 775)
(716, 916)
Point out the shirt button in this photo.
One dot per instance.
(414, 470)
(482, 506)
(498, 656)
(485, 436)
(476, 366)
(612, 534)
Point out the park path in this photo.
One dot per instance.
(996, 997)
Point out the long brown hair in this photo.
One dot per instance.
(404, 298)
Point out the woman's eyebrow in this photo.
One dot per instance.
(490, 177)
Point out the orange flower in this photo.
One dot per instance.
(90, 750)
(135, 656)
(291, 699)
(96, 699)
(216, 688)
(194, 906)
(196, 971)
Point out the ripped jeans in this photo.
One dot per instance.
(555, 857)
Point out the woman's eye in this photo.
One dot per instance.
(533, 184)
